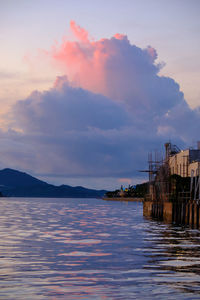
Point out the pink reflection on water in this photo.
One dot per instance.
(83, 253)
(69, 291)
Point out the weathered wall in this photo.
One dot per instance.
(167, 211)
(174, 212)
(147, 208)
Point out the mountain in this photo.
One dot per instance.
(14, 183)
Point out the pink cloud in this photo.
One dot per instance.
(119, 36)
(125, 180)
(80, 33)
(152, 53)
(107, 66)
(78, 128)
(82, 60)
(116, 69)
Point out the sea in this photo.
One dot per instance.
(93, 249)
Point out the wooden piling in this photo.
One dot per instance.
(178, 212)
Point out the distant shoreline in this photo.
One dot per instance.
(123, 199)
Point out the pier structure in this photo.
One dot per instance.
(174, 186)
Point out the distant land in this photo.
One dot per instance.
(14, 183)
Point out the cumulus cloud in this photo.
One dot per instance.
(104, 114)
(117, 69)
(64, 108)
(83, 133)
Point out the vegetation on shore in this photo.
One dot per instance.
(177, 185)
(133, 191)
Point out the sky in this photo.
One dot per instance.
(88, 88)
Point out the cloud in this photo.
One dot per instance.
(65, 108)
(75, 131)
(117, 69)
(8, 75)
(80, 33)
(102, 117)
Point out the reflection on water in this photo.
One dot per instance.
(92, 249)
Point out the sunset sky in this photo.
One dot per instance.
(88, 88)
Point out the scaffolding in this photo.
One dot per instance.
(159, 173)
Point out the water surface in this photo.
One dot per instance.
(93, 249)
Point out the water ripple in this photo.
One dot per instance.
(91, 249)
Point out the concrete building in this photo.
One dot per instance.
(185, 163)
(173, 198)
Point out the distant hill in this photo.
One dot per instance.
(14, 183)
